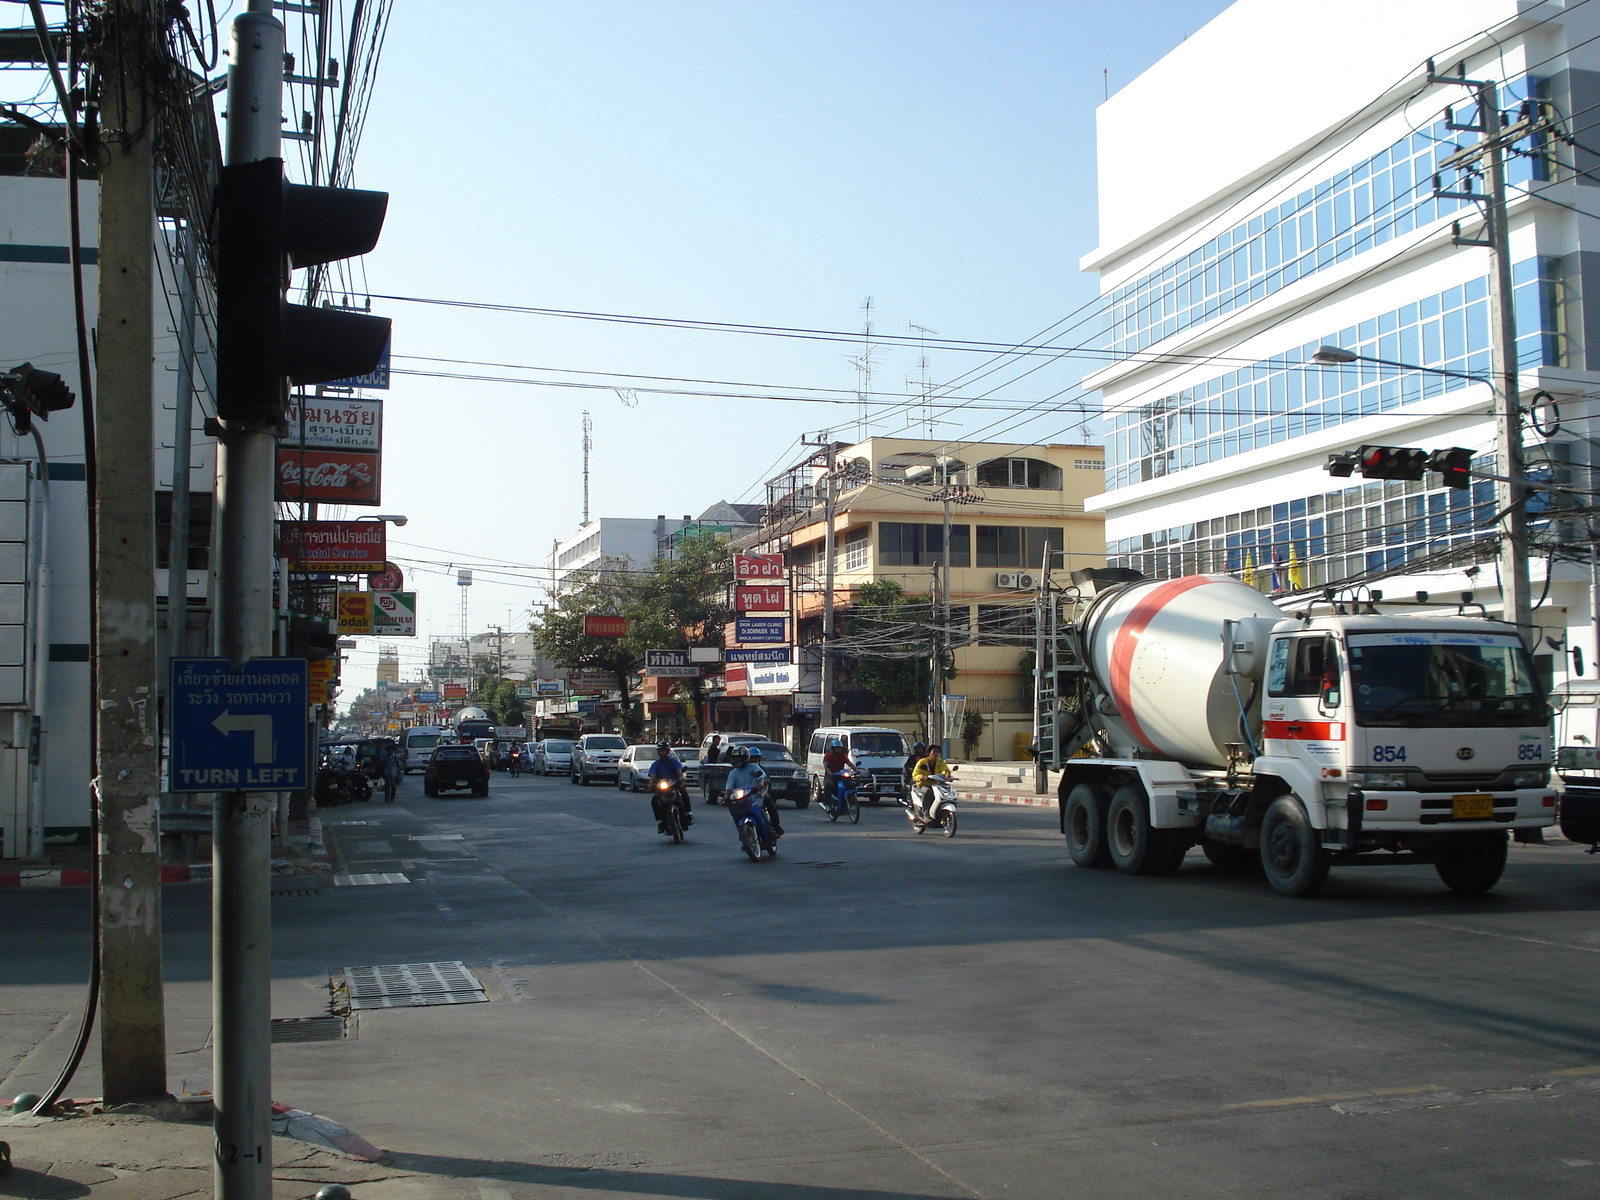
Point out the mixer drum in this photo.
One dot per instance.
(1156, 648)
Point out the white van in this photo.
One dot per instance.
(880, 754)
(417, 745)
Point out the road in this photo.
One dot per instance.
(877, 1014)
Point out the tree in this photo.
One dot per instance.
(890, 637)
(558, 631)
(683, 603)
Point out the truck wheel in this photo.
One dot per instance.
(1083, 820)
(1291, 853)
(1135, 848)
(1475, 867)
(1229, 858)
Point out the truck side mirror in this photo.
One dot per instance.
(1577, 660)
(1330, 696)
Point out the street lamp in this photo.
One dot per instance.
(1515, 589)
(392, 518)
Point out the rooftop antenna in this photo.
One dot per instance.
(924, 382)
(864, 370)
(588, 444)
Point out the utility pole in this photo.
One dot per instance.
(182, 448)
(829, 497)
(936, 730)
(1495, 135)
(133, 1049)
(241, 922)
(1043, 624)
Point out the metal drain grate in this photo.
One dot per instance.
(308, 1029)
(413, 985)
(349, 822)
(369, 880)
(295, 893)
(436, 837)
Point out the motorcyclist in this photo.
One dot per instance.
(834, 761)
(748, 776)
(514, 759)
(930, 764)
(667, 766)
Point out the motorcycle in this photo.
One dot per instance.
(340, 784)
(940, 810)
(842, 800)
(750, 819)
(515, 766)
(669, 807)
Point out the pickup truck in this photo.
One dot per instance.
(712, 774)
(786, 779)
(456, 767)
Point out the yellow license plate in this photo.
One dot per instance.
(1472, 808)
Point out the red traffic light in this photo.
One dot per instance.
(1454, 465)
(1392, 462)
(27, 393)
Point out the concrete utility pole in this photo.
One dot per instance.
(182, 448)
(1516, 590)
(241, 924)
(829, 495)
(133, 1044)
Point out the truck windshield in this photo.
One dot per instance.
(891, 745)
(1405, 680)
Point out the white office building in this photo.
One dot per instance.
(1268, 188)
(632, 541)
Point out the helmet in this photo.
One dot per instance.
(740, 756)
(920, 749)
(754, 753)
(663, 748)
(835, 744)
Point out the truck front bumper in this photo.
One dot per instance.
(1374, 811)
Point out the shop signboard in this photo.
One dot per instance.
(772, 679)
(524, 691)
(546, 686)
(669, 664)
(334, 547)
(763, 654)
(335, 423)
(591, 681)
(758, 566)
(605, 626)
(390, 579)
(762, 597)
(354, 611)
(328, 476)
(761, 629)
(427, 697)
(394, 614)
(808, 702)
(455, 691)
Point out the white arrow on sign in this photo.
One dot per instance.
(259, 727)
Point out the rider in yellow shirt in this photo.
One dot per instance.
(930, 764)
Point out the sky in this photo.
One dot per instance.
(756, 163)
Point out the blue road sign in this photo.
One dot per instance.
(239, 730)
(761, 629)
(427, 697)
(774, 654)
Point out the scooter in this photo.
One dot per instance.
(750, 820)
(670, 807)
(941, 805)
(842, 801)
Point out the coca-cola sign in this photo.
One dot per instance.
(332, 476)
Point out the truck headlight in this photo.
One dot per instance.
(1531, 779)
(1379, 780)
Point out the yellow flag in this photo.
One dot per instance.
(1297, 574)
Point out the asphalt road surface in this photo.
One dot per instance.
(877, 1014)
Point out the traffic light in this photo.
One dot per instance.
(28, 393)
(1341, 465)
(1392, 462)
(264, 227)
(1454, 465)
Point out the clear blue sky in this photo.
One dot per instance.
(768, 163)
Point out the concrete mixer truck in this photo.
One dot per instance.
(1197, 712)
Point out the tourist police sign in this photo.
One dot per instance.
(239, 729)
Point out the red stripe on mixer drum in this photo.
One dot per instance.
(1304, 731)
(1126, 643)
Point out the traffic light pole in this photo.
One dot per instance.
(241, 927)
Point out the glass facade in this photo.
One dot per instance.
(1388, 195)
(1285, 397)
(1338, 535)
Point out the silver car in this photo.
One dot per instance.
(595, 757)
(552, 756)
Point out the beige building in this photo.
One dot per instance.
(1003, 504)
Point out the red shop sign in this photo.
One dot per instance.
(766, 597)
(758, 566)
(602, 626)
(331, 476)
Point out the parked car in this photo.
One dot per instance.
(552, 756)
(595, 756)
(689, 756)
(786, 778)
(711, 775)
(879, 754)
(456, 767)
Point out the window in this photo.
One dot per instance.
(1034, 543)
(1019, 473)
(854, 552)
(1005, 624)
(1088, 464)
(999, 546)
(901, 544)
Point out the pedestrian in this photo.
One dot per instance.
(714, 748)
(390, 765)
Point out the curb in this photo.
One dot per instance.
(1002, 798)
(79, 876)
(319, 1131)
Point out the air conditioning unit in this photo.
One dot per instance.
(1022, 581)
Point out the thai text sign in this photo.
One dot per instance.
(336, 423)
(340, 547)
(603, 626)
(669, 664)
(354, 610)
(765, 654)
(394, 614)
(455, 691)
(239, 728)
(758, 566)
(332, 476)
(761, 629)
(763, 597)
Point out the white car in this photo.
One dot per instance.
(633, 769)
(552, 756)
